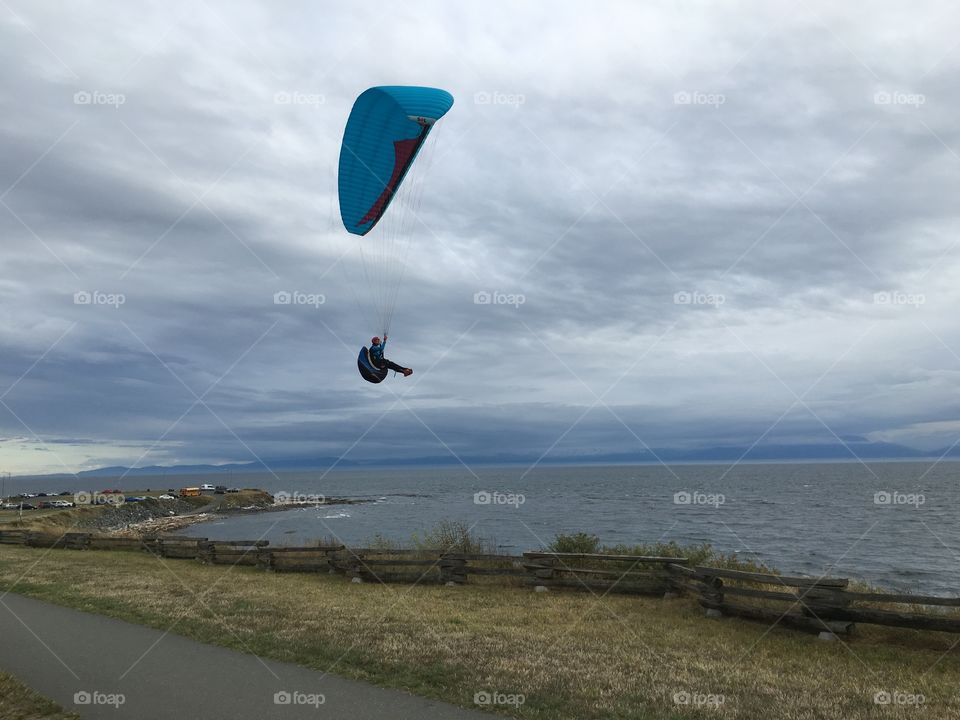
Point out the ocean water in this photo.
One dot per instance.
(891, 523)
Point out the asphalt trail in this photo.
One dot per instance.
(60, 652)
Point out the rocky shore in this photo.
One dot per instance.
(153, 516)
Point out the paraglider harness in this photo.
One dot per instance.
(369, 370)
(373, 371)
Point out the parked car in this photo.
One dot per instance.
(233, 490)
(167, 497)
(45, 505)
(11, 506)
(220, 489)
(25, 506)
(65, 492)
(206, 486)
(62, 504)
(41, 495)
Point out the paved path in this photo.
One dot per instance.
(59, 652)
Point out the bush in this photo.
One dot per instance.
(701, 554)
(453, 537)
(580, 542)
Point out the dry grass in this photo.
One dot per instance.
(18, 702)
(571, 655)
(59, 520)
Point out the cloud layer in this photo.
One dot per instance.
(727, 227)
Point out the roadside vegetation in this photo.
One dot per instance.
(18, 702)
(566, 654)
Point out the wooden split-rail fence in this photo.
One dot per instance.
(826, 605)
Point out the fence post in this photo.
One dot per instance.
(545, 574)
(712, 595)
(453, 570)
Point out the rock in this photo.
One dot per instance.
(541, 588)
(713, 613)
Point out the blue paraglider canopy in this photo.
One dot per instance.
(385, 131)
(369, 371)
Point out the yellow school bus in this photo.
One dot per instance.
(189, 492)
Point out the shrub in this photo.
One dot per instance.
(699, 554)
(453, 537)
(580, 542)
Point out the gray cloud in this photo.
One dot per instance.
(792, 175)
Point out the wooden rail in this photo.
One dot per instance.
(813, 604)
(822, 604)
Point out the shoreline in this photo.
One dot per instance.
(152, 515)
(160, 525)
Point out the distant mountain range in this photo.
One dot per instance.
(721, 454)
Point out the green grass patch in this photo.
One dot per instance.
(569, 654)
(18, 702)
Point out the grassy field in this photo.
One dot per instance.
(18, 702)
(570, 655)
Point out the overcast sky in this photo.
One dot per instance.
(728, 224)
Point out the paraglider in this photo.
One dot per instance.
(373, 365)
(387, 130)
